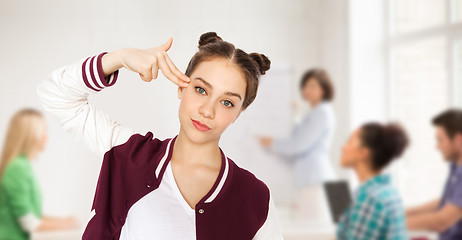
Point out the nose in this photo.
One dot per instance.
(207, 110)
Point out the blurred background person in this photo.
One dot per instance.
(444, 214)
(20, 194)
(376, 211)
(308, 146)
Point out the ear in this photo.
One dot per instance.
(180, 92)
(458, 139)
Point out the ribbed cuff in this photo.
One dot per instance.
(93, 76)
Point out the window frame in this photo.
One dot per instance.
(451, 31)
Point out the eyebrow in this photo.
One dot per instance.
(211, 87)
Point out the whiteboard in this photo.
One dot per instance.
(269, 115)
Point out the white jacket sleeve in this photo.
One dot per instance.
(29, 222)
(63, 94)
(271, 229)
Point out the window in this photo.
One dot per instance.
(425, 56)
(414, 15)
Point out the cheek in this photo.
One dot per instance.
(190, 100)
(224, 117)
(306, 93)
(186, 108)
(318, 92)
(41, 142)
(309, 90)
(444, 145)
(439, 144)
(348, 155)
(313, 92)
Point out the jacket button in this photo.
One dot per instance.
(148, 186)
(201, 211)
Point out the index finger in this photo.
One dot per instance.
(167, 72)
(175, 69)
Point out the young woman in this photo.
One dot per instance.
(308, 146)
(20, 195)
(178, 188)
(376, 211)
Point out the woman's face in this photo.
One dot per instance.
(44, 138)
(446, 145)
(212, 101)
(353, 151)
(312, 91)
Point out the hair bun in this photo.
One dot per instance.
(395, 139)
(262, 61)
(207, 38)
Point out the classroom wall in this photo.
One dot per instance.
(41, 36)
(334, 53)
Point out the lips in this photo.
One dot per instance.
(200, 126)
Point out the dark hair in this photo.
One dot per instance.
(386, 142)
(450, 120)
(253, 65)
(323, 79)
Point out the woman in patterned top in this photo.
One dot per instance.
(376, 211)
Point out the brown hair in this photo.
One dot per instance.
(450, 120)
(321, 76)
(386, 142)
(252, 65)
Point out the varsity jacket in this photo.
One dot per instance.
(238, 207)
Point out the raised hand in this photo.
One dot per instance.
(146, 62)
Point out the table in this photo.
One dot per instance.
(75, 234)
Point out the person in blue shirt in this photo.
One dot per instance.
(309, 143)
(444, 215)
(308, 146)
(376, 211)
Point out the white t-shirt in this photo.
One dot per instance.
(161, 214)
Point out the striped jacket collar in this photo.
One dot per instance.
(219, 184)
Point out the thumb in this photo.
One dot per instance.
(166, 46)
